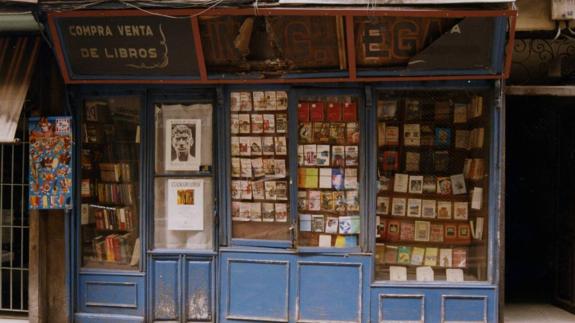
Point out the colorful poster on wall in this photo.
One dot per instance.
(185, 208)
(50, 152)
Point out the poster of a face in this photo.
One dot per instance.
(185, 208)
(183, 144)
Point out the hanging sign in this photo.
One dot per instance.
(50, 174)
(128, 47)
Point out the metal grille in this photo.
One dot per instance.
(14, 224)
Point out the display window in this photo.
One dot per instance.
(109, 183)
(432, 187)
(183, 177)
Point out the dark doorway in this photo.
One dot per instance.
(540, 201)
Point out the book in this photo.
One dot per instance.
(454, 275)
(258, 168)
(244, 146)
(450, 232)
(393, 234)
(460, 210)
(281, 212)
(324, 240)
(404, 255)
(407, 231)
(444, 210)
(460, 113)
(382, 205)
(303, 111)
(282, 190)
(380, 134)
(300, 155)
(350, 179)
(442, 137)
(305, 132)
(411, 134)
(351, 155)
(476, 138)
(334, 112)
(302, 201)
(422, 230)
(427, 137)
(416, 184)
(271, 100)
(428, 209)
(417, 255)
(327, 203)
(340, 202)
(270, 190)
(463, 233)
(314, 200)
(310, 155)
(331, 224)
(412, 110)
(305, 222)
(352, 198)
(317, 223)
(398, 206)
(459, 257)
(268, 123)
(390, 160)
(429, 184)
(325, 178)
(235, 146)
(380, 228)
(349, 224)
(386, 109)
(352, 133)
(236, 211)
(338, 156)
(234, 124)
(390, 255)
(257, 123)
(458, 184)
(269, 166)
(397, 273)
(235, 167)
(414, 208)
(280, 170)
(477, 198)
(436, 233)
(235, 101)
(337, 133)
(256, 212)
(349, 111)
(412, 161)
(445, 257)
(246, 167)
(462, 139)
(245, 123)
(245, 211)
(442, 111)
(255, 146)
(281, 100)
(281, 123)
(322, 155)
(444, 186)
(400, 183)
(258, 190)
(475, 107)
(424, 274)
(259, 100)
(281, 145)
(430, 257)
(316, 111)
(86, 187)
(391, 135)
(337, 179)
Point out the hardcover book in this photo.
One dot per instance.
(442, 137)
(349, 111)
(269, 123)
(445, 257)
(303, 112)
(404, 255)
(460, 113)
(400, 183)
(430, 257)
(333, 112)
(444, 210)
(398, 206)
(417, 255)
(316, 111)
(428, 209)
(436, 233)
(414, 208)
(422, 231)
(407, 231)
(393, 230)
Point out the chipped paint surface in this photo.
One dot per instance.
(199, 305)
(165, 304)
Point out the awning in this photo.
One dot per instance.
(17, 58)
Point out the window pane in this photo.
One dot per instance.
(431, 205)
(110, 215)
(183, 187)
(328, 172)
(259, 165)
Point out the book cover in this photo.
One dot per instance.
(351, 155)
(340, 202)
(386, 109)
(424, 274)
(321, 132)
(444, 210)
(322, 155)
(256, 212)
(310, 155)
(236, 211)
(244, 146)
(404, 255)
(280, 170)
(417, 255)
(393, 230)
(269, 123)
(427, 135)
(382, 205)
(349, 224)
(476, 138)
(428, 209)
(443, 137)
(444, 186)
(314, 200)
(334, 112)
(458, 184)
(337, 179)
(258, 167)
(350, 179)
(429, 184)
(400, 183)
(259, 99)
(422, 231)
(255, 146)
(383, 183)
(235, 101)
(300, 155)
(463, 233)
(390, 160)
(236, 167)
(316, 111)
(234, 124)
(282, 190)
(303, 111)
(390, 256)
(246, 190)
(430, 257)
(281, 145)
(271, 100)
(245, 101)
(412, 110)
(337, 133)
(257, 123)
(302, 201)
(268, 146)
(352, 198)
(281, 100)
(460, 257)
(416, 184)
(245, 211)
(317, 223)
(450, 232)
(412, 160)
(352, 133)
(305, 222)
(381, 228)
(414, 208)
(327, 201)
(476, 107)
(411, 134)
(436, 233)
(331, 224)
(258, 190)
(391, 135)
(269, 166)
(236, 190)
(281, 123)
(245, 123)
(246, 167)
(398, 206)
(349, 111)
(462, 139)
(460, 113)
(324, 241)
(441, 160)
(281, 212)
(305, 132)
(445, 257)
(270, 190)
(325, 178)
(407, 231)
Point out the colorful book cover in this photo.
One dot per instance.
(442, 137)
(333, 112)
(349, 111)
(406, 231)
(430, 257)
(316, 111)
(303, 112)
(404, 255)
(417, 256)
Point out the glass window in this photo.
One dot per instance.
(259, 165)
(183, 184)
(328, 172)
(431, 204)
(109, 190)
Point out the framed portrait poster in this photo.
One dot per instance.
(183, 144)
(185, 208)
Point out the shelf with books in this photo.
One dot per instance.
(109, 210)
(432, 161)
(328, 172)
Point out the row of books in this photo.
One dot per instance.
(328, 201)
(328, 241)
(329, 224)
(116, 193)
(113, 248)
(258, 146)
(256, 123)
(115, 172)
(326, 155)
(430, 256)
(328, 178)
(259, 190)
(429, 161)
(327, 111)
(392, 230)
(419, 184)
(259, 101)
(418, 208)
(329, 133)
(95, 133)
(113, 218)
(415, 135)
(259, 211)
(93, 156)
(258, 167)
(415, 109)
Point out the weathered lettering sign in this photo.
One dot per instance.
(128, 46)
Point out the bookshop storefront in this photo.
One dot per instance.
(286, 164)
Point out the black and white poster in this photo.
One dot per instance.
(183, 144)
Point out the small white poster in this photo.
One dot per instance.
(185, 208)
(183, 144)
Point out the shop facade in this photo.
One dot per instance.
(286, 164)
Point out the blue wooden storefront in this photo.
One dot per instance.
(241, 280)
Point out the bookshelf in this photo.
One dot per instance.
(109, 187)
(431, 202)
